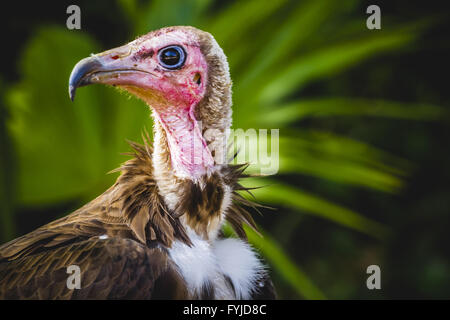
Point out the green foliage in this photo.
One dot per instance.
(7, 228)
(287, 196)
(72, 145)
(275, 50)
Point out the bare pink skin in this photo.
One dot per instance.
(173, 94)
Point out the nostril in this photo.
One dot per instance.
(197, 78)
(146, 54)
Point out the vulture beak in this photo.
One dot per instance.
(118, 66)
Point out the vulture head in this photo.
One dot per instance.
(182, 74)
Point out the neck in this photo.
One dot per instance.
(190, 157)
(187, 174)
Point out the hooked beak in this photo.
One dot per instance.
(82, 74)
(114, 67)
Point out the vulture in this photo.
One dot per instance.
(156, 232)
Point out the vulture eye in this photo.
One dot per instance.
(172, 57)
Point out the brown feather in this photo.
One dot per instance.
(131, 211)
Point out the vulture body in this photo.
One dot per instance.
(155, 234)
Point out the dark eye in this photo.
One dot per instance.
(171, 57)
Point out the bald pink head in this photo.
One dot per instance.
(182, 74)
(167, 64)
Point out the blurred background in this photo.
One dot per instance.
(363, 118)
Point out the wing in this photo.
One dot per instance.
(111, 268)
